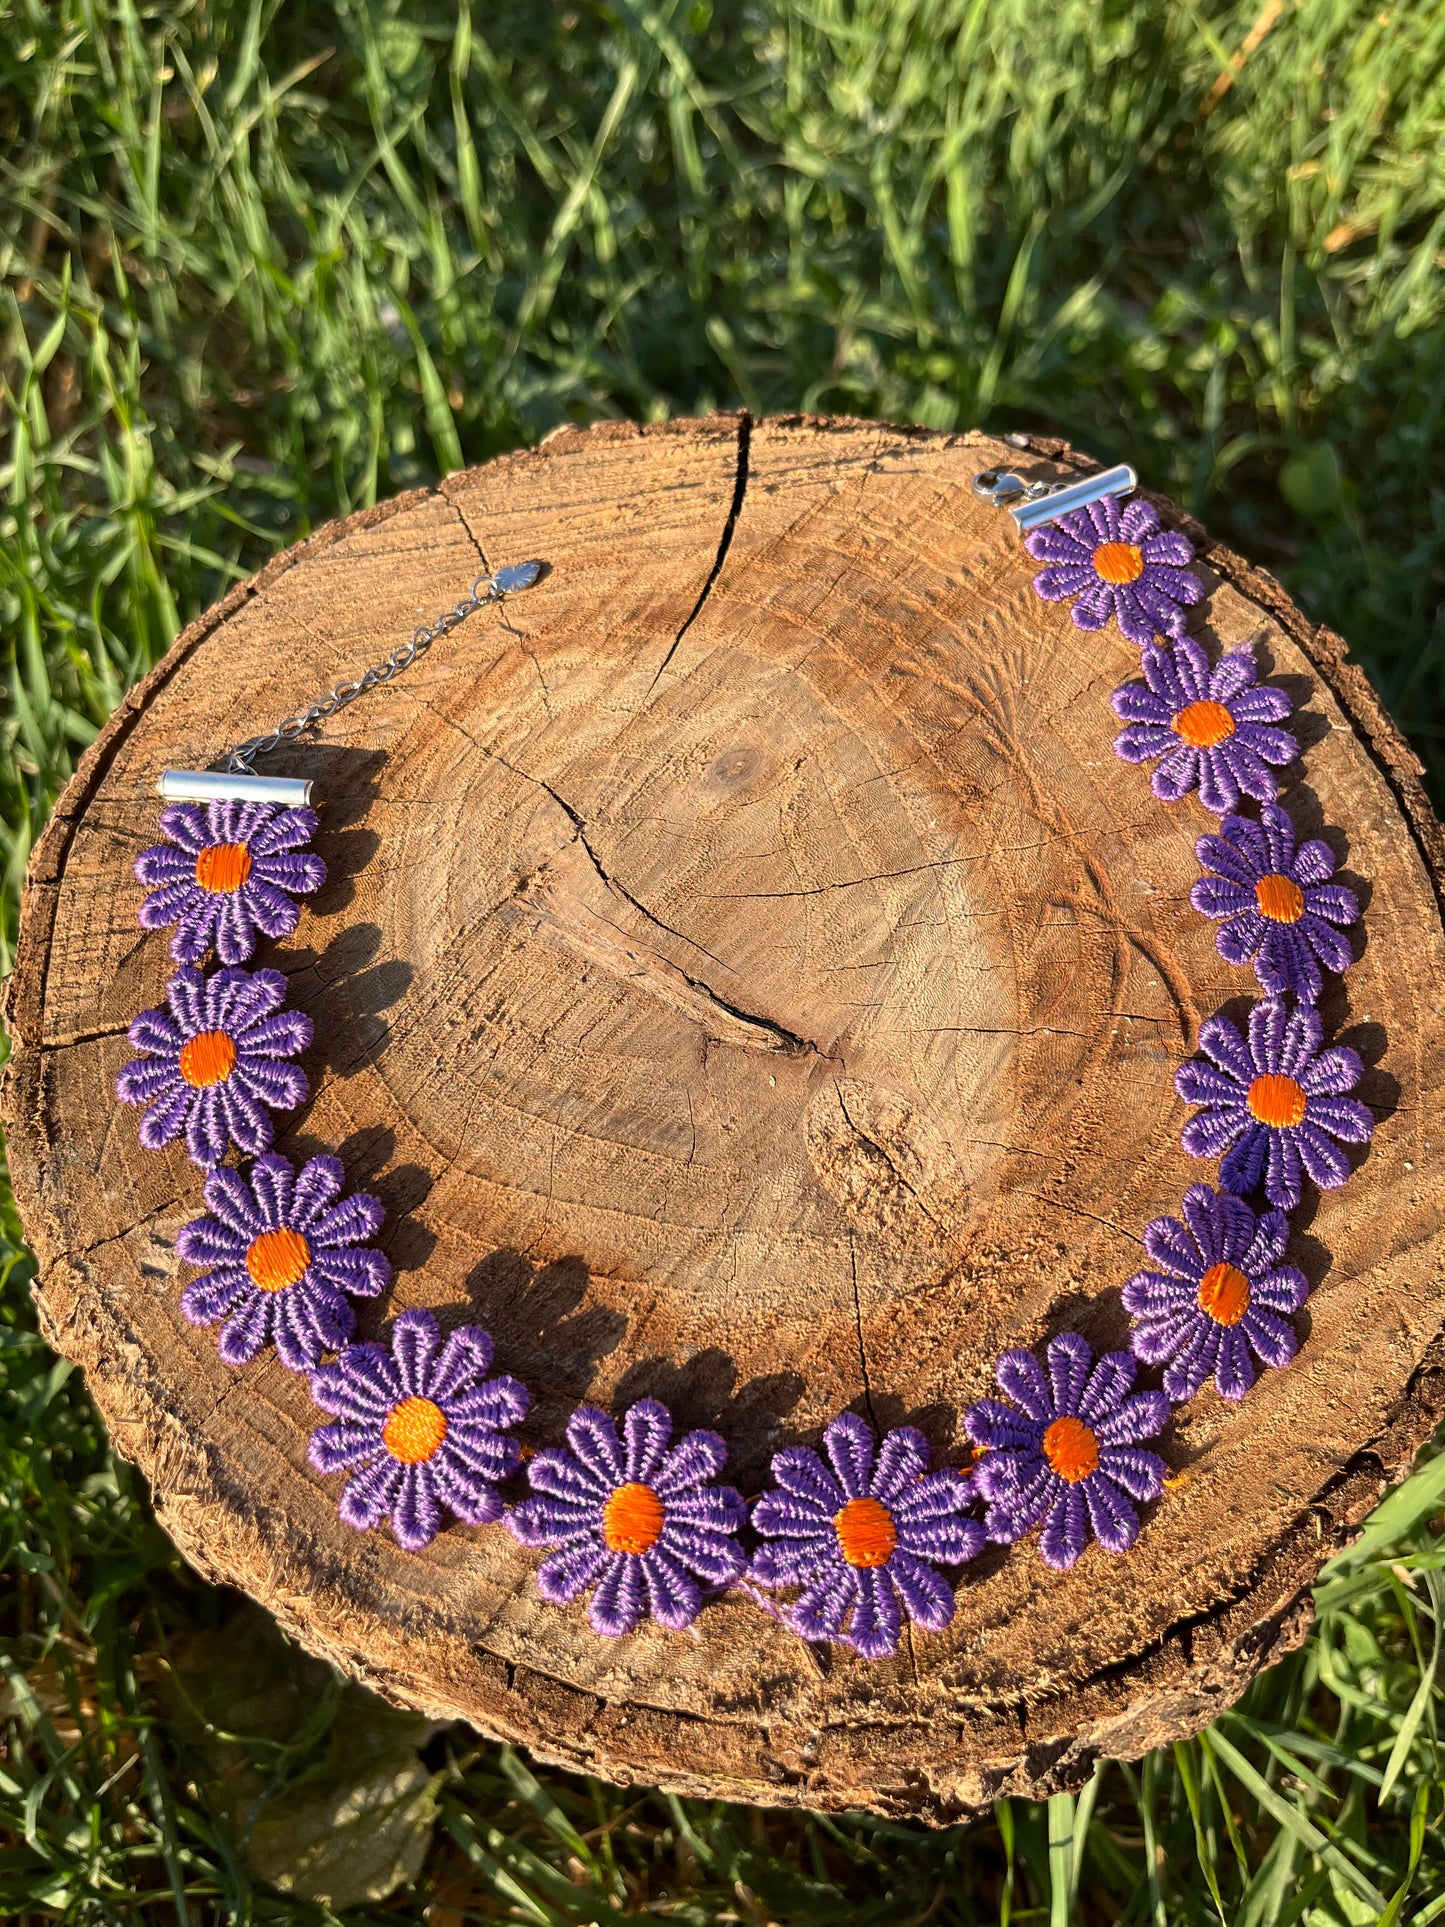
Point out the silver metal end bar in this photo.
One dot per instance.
(1073, 495)
(224, 786)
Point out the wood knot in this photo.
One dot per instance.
(887, 1165)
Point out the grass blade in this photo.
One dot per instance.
(1290, 1818)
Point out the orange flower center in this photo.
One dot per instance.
(207, 1058)
(1224, 1294)
(1204, 725)
(222, 867)
(1071, 1449)
(866, 1532)
(1276, 1101)
(1280, 899)
(1119, 562)
(277, 1259)
(632, 1519)
(413, 1430)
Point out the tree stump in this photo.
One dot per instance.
(748, 977)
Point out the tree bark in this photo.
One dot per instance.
(748, 977)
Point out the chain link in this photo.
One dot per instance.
(486, 589)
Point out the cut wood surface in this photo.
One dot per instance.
(748, 977)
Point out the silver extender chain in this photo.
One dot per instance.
(508, 581)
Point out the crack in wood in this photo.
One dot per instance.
(858, 1324)
(790, 1040)
(725, 540)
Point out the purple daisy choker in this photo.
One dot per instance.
(853, 1541)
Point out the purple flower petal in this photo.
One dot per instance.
(1273, 1103)
(415, 1418)
(1118, 564)
(1070, 1456)
(226, 873)
(639, 1521)
(212, 1064)
(864, 1540)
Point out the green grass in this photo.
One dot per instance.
(266, 263)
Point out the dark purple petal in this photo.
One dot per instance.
(876, 1621)
(463, 1361)
(481, 1450)
(556, 1473)
(360, 1274)
(1242, 1167)
(347, 1222)
(647, 1429)
(696, 1461)
(999, 1427)
(1234, 1369)
(620, 1598)
(205, 1301)
(495, 1404)
(470, 1491)
(148, 1080)
(1021, 1377)
(337, 1448)
(369, 1496)
(593, 1439)
(1115, 1522)
(850, 1447)
(416, 1517)
(1065, 1532)
(244, 1335)
(567, 1573)
(788, 1562)
(673, 1597)
(948, 1537)
(546, 1520)
(902, 1462)
(1135, 1471)
(819, 1612)
(802, 1474)
(714, 1556)
(926, 1595)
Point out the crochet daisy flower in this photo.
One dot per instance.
(639, 1522)
(214, 1062)
(226, 873)
(1273, 1103)
(1117, 562)
(1214, 729)
(1219, 1297)
(284, 1254)
(1068, 1450)
(421, 1428)
(864, 1535)
(1275, 903)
